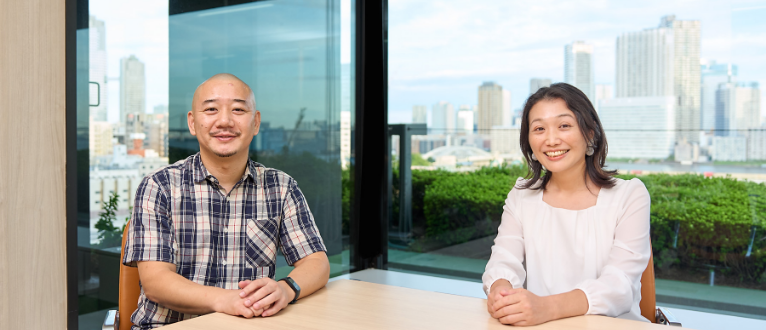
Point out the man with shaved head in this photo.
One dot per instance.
(205, 230)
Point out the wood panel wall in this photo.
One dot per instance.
(32, 165)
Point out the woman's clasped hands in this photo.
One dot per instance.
(517, 307)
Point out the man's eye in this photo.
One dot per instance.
(238, 109)
(210, 109)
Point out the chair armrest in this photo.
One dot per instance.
(111, 322)
(664, 316)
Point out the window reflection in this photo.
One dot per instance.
(289, 53)
(139, 63)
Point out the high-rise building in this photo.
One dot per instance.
(134, 123)
(537, 83)
(738, 108)
(100, 138)
(97, 69)
(505, 141)
(649, 132)
(465, 119)
(603, 92)
(132, 87)
(506, 109)
(419, 114)
(443, 117)
(644, 63)
(725, 101)
(729, 148)
(491, 103)
(664, 61)
(578, 67)
(747, 106)
(756, 143)
(713, 75)
(156, 130)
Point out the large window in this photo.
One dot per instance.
(677, 85)
(139, 63)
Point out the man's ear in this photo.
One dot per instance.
(257, 122)
(190, 122)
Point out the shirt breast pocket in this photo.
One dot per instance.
(261, 246)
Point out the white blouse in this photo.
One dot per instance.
(601, 250)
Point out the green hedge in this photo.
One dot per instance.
(711, 221)
(696, 222)
(465, 200)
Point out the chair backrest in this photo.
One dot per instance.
(129, 288)
(648, 302)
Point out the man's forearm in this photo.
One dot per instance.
(173, 291)
(311, 273)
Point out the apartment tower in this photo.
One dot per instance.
(578, 67)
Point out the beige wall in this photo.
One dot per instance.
(32, 165)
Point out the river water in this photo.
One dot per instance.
(695, 168)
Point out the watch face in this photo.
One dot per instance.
(293, 284)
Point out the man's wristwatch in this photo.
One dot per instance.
(291, 283)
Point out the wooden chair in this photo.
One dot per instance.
(648, 301)
(129, 292)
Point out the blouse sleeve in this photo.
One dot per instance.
(619, 283)
(508, 251)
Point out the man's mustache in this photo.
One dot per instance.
(227, 132)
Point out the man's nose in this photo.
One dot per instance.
(225, 119)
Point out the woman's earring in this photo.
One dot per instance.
(589, 151)
(534, 157)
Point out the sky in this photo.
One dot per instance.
(135, 27)
(140, 27)
(442, 50)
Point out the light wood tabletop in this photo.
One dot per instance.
(348, 304)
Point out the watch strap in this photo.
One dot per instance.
(291, 283)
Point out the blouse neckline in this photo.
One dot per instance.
(598, 202)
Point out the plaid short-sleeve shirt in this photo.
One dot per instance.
(182, 216)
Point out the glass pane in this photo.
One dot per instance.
(139, 63)
(123, 133)
(289, 52)
(678, 89)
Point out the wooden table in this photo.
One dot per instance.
(348, 304)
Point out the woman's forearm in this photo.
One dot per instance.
(568, 304)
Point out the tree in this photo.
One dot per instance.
(108, 234)
(417, 160)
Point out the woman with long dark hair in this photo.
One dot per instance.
(573, 239)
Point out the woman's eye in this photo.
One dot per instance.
(537, 129)
(566, 125)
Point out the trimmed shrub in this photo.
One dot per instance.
(704, 223)
(471, 200)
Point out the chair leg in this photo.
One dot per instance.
(664, 316)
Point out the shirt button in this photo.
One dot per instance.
(223, 262)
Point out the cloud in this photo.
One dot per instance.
(135, 27)
(457, 44)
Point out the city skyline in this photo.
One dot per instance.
(147, 41)
(512, 51)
